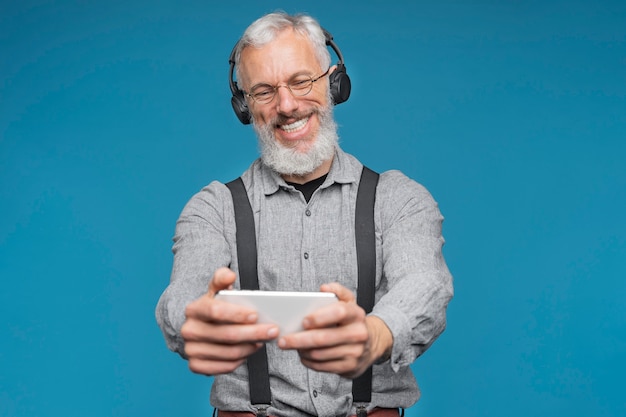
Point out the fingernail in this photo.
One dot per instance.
(273, 332)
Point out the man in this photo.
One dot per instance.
(303, 192)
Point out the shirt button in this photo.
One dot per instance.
(306, 255)
(315, 393)
(308, 212)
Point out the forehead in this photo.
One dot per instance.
(288, 54)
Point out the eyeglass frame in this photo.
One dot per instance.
(276, 87)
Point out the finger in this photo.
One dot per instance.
(342, 360)
(342, 293)
(230, 334)
(343, 353)
(325, 338)
(220, 352)
(346, 369)
(211, 310)
(210, 367)
(337, 314)
(222, 279)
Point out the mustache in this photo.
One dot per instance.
(283, 119)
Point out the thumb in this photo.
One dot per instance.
(342, 293)
(222, 279)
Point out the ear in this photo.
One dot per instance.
(340, 85)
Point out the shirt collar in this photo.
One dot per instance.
(344, 170)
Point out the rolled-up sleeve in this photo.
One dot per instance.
(200, 247)
(417, 283)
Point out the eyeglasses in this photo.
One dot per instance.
(300, 86)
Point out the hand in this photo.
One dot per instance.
(340, 338)
(219, 336)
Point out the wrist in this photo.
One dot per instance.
(381, 339)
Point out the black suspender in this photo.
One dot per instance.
(258, 375)
(365, 237)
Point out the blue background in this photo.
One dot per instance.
(513, 114)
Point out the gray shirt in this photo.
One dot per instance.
(302, 245)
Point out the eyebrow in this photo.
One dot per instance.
(290, 79)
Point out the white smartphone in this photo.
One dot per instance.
(287, 309)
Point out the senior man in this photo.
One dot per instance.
(303, 194)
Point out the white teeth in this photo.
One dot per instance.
(297, 125)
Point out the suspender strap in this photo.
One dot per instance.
(245, 235)
(365, 236)
(258, 373)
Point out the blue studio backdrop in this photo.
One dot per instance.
(512, 113)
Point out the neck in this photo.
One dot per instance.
(318, 172)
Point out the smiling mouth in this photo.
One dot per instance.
(295, 126)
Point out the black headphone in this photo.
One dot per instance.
(339, 83)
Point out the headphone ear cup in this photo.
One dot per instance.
(240, 106)
(340, 84)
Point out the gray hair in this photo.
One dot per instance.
(266, 28)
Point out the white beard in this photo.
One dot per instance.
(289, 161)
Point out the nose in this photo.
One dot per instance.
(286, 103)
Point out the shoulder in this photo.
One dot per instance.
(212, 200)
(217, 196)
(396, 184)
(397, 193)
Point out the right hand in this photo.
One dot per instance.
(219, 336)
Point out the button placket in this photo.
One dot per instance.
(307, 213)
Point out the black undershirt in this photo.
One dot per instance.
(307, 189)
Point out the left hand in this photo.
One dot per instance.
(340, 338)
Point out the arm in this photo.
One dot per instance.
(412, 295)
(214, 336)
(416, 286)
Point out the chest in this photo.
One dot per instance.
(303, 245)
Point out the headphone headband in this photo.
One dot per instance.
(340, 84)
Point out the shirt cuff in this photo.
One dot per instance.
(401, 352)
